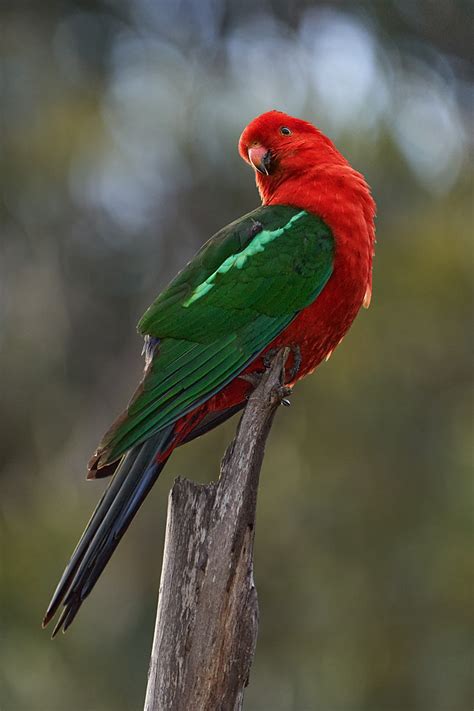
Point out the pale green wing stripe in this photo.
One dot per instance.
(239, 260)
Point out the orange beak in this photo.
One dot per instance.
(259, 157)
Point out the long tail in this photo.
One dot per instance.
(133, 479)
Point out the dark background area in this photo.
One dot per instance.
(119, 126)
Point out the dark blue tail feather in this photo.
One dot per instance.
(133, 479)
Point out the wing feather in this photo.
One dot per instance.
(240, 291)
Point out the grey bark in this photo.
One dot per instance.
(207, 617)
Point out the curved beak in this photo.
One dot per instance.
(260, 158)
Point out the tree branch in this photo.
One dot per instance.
(207, 617)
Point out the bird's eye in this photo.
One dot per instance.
(285, 131)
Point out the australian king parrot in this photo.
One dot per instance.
(293, 272)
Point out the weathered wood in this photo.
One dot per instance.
(207, 617)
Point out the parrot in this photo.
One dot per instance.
(292, 273)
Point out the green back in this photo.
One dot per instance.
(243, 287)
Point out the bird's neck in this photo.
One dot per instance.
(333, 192)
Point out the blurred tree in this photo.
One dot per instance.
(114, 116)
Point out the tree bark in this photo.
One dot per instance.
(207, 617)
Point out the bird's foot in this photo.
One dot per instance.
(294, 370)
(283, 391)
(290, 375)
(252, 378)
(255, 377)
(269, 356)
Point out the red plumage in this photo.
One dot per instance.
(312, 175)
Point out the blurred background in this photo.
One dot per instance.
(119, 126)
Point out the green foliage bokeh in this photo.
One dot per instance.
(119, 132)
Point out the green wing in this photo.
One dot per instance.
(239, 292)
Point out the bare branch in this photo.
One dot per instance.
(207, 618)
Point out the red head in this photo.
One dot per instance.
(281, 147)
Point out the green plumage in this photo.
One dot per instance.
(243, 287)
